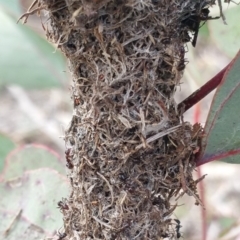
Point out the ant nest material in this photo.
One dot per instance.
(128, 152)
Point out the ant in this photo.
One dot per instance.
(178, 226)
(69, 163)
(166, 41)
(193, 21)
(181, 65)
(62, 205)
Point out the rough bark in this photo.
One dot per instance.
(129, 152)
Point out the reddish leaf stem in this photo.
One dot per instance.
(201, 92)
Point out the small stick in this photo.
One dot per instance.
(30, 11)
(221, 12)
(228, 1)
(12, 223)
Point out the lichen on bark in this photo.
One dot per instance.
(129, 153)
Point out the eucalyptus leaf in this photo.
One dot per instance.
(12, 6)
(226, 37)
(28, 59)
(33, 197)
(30, 157)
(6, 145)
(221, 139)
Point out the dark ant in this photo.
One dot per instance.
(62, 205)
(193, 21)
(123, 177)
(69, 163)
(181, 65)
(178, 226)
(166, 41)
(182, 62)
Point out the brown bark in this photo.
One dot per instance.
(128, 152)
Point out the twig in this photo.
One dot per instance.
(221, 12)
(159, 135)
(34, 113)
(102, 223)
(201, 92)
(12, 223)
(30, 11)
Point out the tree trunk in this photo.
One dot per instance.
(128, 151)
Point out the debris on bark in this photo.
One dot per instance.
(129, 153)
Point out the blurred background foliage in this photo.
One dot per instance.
(36, 108)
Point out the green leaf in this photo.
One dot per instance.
(35, 196)
(31, 157)
(6, 145)
(14, 227)
(12, 6)
(221, 140)
(27, 59)
(204, 31)
(226, 37)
